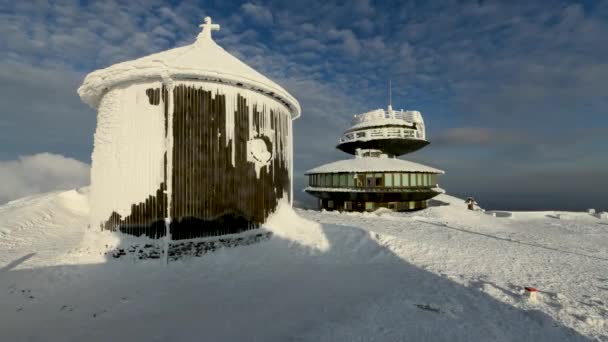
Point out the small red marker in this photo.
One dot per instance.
(531, 293)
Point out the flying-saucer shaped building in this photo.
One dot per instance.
(190, 142)
(376, 177)
(392, 132)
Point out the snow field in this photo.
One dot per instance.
(443, 273)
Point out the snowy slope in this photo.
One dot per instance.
(444, 273)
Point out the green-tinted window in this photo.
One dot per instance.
(351, 180)
(343, 177)
(405, 179)
(328, 180)
(397, 179)
(428, 179)
(378, 179)
(369, 180)
(388, 179)
(420, 179)
(414, 180)
(311, 180)
(369, 206)
(336, 180)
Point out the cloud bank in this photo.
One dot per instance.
(38, 173)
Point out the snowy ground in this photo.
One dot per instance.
(444, 273)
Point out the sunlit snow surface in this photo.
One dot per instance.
(443, 273)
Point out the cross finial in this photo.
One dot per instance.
(207, 27)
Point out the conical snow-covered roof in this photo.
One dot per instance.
(202, 60)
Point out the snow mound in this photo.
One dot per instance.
(286, 224)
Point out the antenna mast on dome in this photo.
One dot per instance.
(390, 93)
(390, 99)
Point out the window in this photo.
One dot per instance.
(360, 180)
(369, 206)
(428, 179)
(413, 179)
(388, 179)
(396, 179)
(328, 180)
(343, 180)
(336, 180)
(369, 180)
(330, 204)
(311, 180)
(378, 179)
(419, 176)
(351, 179)
(348, 205)
(405, 179)
(361, 135)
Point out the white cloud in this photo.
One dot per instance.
(40, 173)
(350, 44)
(259, 14)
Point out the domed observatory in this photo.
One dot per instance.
(191, 141)
(376, 178)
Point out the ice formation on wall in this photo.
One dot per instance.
(129, 136)
(134, 116)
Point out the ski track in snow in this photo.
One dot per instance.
(444, 273)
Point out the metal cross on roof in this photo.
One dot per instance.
(207, 27)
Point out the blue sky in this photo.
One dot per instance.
(514, 93)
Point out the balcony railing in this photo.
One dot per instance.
(380, 133)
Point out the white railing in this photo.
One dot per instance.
(386, 132)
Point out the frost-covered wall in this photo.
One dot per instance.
(128, 154)
(222, 167)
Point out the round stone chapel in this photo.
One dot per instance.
(189, 141)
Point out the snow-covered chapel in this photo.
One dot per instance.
(189, 141)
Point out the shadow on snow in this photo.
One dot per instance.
(275, 290)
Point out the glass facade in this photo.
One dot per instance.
(373, 180)
(388, 179)
(343, 179)
(405, 179)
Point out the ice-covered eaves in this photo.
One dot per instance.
(373, 164)
(376, 190)
(203, 60)
(380, 123)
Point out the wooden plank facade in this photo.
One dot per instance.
(210, 196)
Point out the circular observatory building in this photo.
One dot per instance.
(375, 177)
(190, 142)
